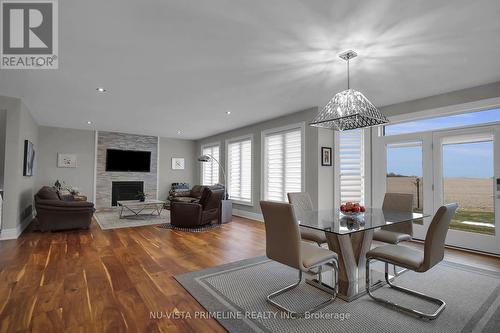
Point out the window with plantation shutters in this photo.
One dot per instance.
(210, 170)
(282, 164)
(351, 159)
(239, 170)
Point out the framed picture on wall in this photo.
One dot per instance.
(29, 158)
(326, 156)
(177, 163)
(66, 160)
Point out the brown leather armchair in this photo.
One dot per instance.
(192, 195)
(191, 214)
(56, 214)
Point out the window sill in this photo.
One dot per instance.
(243, 203)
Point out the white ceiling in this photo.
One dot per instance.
(174, 65)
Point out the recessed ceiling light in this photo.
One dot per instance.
(228, 112)
(179, 132)
(100, 89)
(89, 123)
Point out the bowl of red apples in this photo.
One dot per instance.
(352, 209)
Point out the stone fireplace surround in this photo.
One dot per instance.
(104, 179)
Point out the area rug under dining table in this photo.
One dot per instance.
(235, 295)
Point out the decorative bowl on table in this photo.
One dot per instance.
(352, 223)
(352, 209)
(351, 214)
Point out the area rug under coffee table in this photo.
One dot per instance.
(235, 295)
(111, 219)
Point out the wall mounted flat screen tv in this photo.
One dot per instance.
(128, 160)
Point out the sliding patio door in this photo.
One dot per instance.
(445, 166)
(467, 166)
(400, 165)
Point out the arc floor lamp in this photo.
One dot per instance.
(227, 206)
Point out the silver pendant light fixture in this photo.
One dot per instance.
(348, 109)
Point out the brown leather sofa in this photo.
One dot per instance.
(56, 214)
(193, 214)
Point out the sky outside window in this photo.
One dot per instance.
(461, 160)
(472, 160)
(468, 160)
(459, 120)
(405, 161)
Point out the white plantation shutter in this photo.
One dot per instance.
(282, 164)
(239, 165)
(210, 170)
(352, 173)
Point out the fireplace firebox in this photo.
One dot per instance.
(125, 190)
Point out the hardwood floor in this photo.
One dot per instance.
(110, 281)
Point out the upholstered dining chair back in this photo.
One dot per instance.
(436, 235)
(282, 233)
(400, 202)
(300, 200)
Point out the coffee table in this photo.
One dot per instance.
(136, 207)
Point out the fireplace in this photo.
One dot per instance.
(125, 191)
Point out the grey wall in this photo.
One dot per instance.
(3, 128)
(18, 190)
(176, 148)
(54, 140)
(311, 152)
(486, 91)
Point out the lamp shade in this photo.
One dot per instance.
(348, 109)
(204, 158)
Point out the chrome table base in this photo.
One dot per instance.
(348, 290)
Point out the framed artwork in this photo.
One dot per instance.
(29, 158)
(177, 163)
(66, 160)
(326, 156)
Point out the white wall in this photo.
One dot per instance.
(176, 148)
(54, 140)
(18, 189)
(325, 173)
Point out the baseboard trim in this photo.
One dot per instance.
(249, 215)
(14, 233)
(11, 233)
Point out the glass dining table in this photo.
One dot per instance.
(351, 238)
